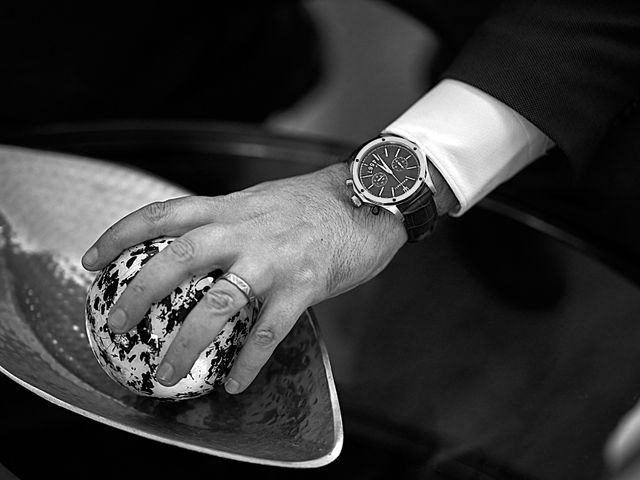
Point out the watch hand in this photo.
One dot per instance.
(390, 172)
(381, 163)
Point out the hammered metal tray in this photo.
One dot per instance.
(52, 207)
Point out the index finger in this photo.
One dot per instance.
(166, 218)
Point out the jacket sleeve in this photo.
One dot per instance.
(569, 67)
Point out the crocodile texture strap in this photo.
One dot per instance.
(420, 215)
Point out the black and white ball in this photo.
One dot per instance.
(132, 358)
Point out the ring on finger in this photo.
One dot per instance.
(238, 282)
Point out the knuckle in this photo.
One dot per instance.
(232, 197)
(183, 343)
(155, 212)
(218, 302)
(305, 277)
(137, 288)
(265, 336)
(182, 249)
(112, 235)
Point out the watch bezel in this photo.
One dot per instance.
(368, 197)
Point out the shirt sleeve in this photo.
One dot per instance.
(475, 141)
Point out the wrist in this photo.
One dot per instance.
(393, 174)
(381, 226)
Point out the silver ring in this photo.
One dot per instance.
(240, 284)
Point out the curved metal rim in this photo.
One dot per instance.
(238, 139)
(318, 462)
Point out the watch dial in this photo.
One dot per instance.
(388, 171)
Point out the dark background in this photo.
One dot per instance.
(511, 360)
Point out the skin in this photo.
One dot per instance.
(296, 241)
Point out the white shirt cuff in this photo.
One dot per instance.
(474, 140)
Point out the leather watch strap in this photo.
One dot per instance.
(420, 216)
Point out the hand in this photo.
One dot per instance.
(296, 242)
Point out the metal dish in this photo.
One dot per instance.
(52, 207)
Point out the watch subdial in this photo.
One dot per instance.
(399, 164)
(379, 179)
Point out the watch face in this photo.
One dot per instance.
(389, 172)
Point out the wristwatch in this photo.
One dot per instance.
(392, 173)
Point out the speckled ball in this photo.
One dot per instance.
(132, 358)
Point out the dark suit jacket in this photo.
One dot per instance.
(569, 67)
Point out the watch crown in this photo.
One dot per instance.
(349, 182)
(356, 201)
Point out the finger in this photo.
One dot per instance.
(169, 218)
(278, 316)
(199, 329)
(195, 253)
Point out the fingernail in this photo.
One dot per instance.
(231, 386)
(165, 374)
(91, 257)
(117, 319)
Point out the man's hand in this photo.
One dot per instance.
(296, 242)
